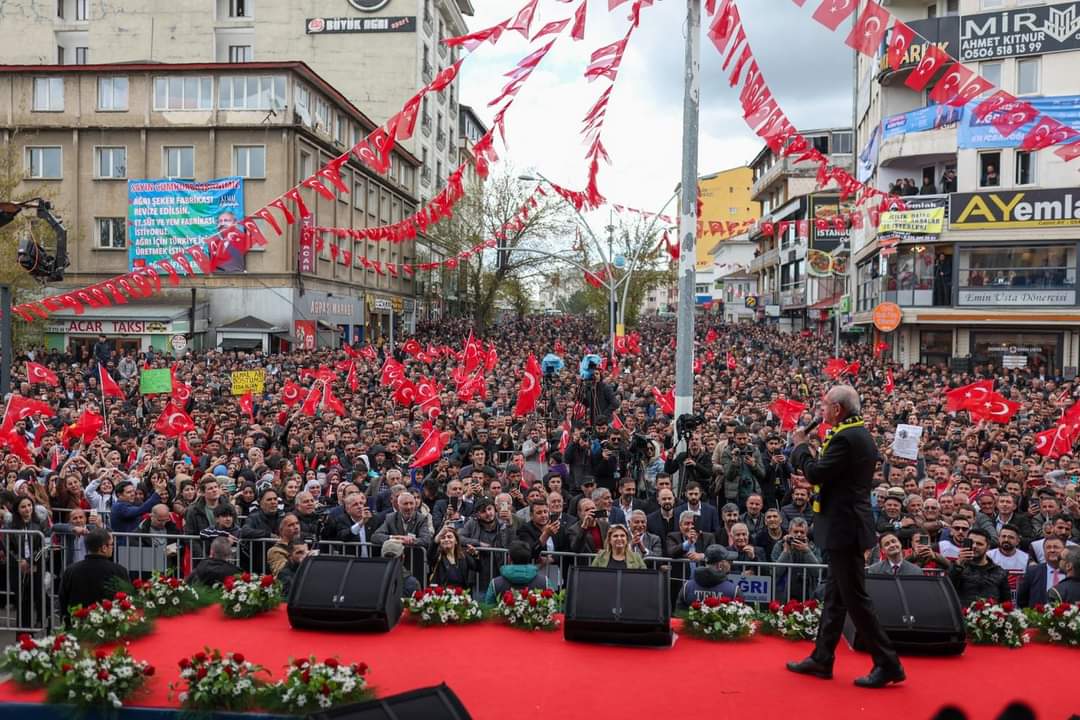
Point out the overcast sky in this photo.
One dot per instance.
(807, 67)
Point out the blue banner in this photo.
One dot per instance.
(166, 216)
(921, 120)
(973, 134)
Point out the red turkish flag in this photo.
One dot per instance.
(492, 358)
(412, 347)
(973, 393)
(869, 29)
(560, 349)
(351, 379)
(731, 362)
(890, 384)
(947, 88)
(427, 391)
(16, 444)
(331, 401)
(109, 388)
(36, 373)
(173, 421)
(995, 408)
(899, 43)
(405, 394)
(929, 65)
(711, 336)
(833, 12)
(1056, 441)
(880, 348)
(1005, 113)
(529, 392)
(788, 411)
(311, 402)
(87, 427)
(290, 393)
(20, 408)
(823, 430)
(666, 401)
(247, 404)
(836, 368)
(431, 449)
(1047, 132)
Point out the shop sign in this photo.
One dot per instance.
(921, 218)
(1015, 209)
(178, 343)
(110, 327)
(1014, 361)
(1017, 297)
(382, 303)
(307, 247)
(353, 25)
(887, 317)
(1012, 349)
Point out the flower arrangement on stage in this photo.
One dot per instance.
(793, 620)
(210, 680)
(166, 596)
(109, 620)
(309, 685)
(437, 605)
(100, 680)
(248, 595)
(991, 623)
(721, 618)
(36, 663)
(530, 609)
(1058, 623)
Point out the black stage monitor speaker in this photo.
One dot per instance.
(623, 607)
(920, 614)
(346, 593)
(433, 703)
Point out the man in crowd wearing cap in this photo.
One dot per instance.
(892, 517)
(893, 562)
(712, 580)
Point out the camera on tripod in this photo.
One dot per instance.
(687, 423)
(588, 367)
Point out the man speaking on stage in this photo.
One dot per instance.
(844, 529)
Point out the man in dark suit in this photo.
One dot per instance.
(1039, 578)
(1007, 515)
(687, 542)
(1068, 590)
(707, 516)
(454, 507)
(844, 528)
(91, 580)
(664, 520)
(544, 535)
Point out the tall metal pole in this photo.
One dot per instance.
(6, 340)
(611, 283)
(684, 352)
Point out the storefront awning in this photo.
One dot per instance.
(827, 303)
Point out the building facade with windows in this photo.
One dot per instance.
(983, 259)
(725, 203)
(81, 133)
(377, 53)
(789, 295)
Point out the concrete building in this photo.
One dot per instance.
(81, 132)
(377, 53)
(788, 192)
(725, 203)
(733, 282)
(984, 261)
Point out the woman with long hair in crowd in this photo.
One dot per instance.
(451, 564)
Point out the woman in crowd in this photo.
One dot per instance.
(617, 552)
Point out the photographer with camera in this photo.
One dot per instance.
(777, 472)
(693, 464)
(596, 397)
(741, 471)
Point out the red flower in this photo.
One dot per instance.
(547, 593)
(201, 672)
(66, 668)
(696, 605)
(266, 580)
(238, 658)
(774, 606)
(792, 606)
(246, 577)
(184, 663)
(228, 670)
(459, 591)
(712, 601)
(125, 605)
(26, 642)
(1061, 609)
(61, 638)
(418, 596)
(149, 671)
(438, 590)
(331, 662)
(58, 642)
(82, 613)
(811, 605)
(305, 677)
(200, 657)
(508, 598)
(137, 584)
(533, 601)
(106, 604)
(120, 596)
(1007, 606)
(325, 689)
(229, 582)
(524, 592)
(362, 668)
(299, 662)
(102, 674)
(174, 583)
(101, 654)
(1040, 608)
(92, 607)
(979, 605)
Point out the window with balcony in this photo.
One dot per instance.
(1009, 268)
(48, 94)
(179, 162)
(183, 93)
(303, 103)
(112, 94)
(869, 281)
(110, 163)
(44, 163)
(989, 169)
(253, 92)
(249, 161)
(241, 53)
(82, 56)
(909, 276)
(1028, 76)
(110, 233)
(322, 114)
(1025, 163)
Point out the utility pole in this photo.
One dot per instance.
(6, 340)
(611, 284)
(684, 352)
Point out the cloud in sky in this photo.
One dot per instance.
(807, 67)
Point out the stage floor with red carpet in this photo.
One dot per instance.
(499, 672)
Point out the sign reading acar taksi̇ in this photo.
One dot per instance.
(167, 216)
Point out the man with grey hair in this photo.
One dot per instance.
(843, 477)
(218, 566)
(641, 540)
(406, 525)
(605, 507)
(687, 542)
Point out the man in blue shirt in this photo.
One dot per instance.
(125, 515)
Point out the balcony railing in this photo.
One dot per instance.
(425, 124)
(766, 259)
(440, 139)
(429, 25)
(425, 175)
(428, 72)
(793, 297)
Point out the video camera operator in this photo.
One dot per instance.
(694, 463)
(777, 472)
(741, 471)
(597, 397)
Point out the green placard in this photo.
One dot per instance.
(155, 382)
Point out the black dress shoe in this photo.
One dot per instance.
(810, 666)
(879, 677)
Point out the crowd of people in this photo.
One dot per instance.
(262, 487)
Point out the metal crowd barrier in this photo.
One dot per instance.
(26, 584)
